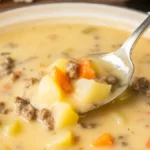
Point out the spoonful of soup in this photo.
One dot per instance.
(88, 83)
(120, 61)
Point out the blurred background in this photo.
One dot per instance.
(143, 5)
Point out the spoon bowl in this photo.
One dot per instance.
(121, 61)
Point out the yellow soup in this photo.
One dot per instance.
(25, 53)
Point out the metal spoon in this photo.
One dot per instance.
(121, 60)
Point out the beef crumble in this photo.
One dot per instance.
(46, 117)
(14, 76)
(111, 79)
(30, 82)
(6, 66)
(88, 125)
(73, 69)
(7, 111)
(76, 139)
(2, 107)
(25, 109)
(141, 85)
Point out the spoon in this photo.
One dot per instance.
(121, 60)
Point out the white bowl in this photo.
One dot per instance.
(95, 14)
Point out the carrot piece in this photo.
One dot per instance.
(148, 143)
(104, 140)
(7, 86)
(85, 69)
(86, 72)
(63, 80)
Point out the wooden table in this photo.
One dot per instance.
(6, 4)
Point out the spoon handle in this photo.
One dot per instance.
(131, 41)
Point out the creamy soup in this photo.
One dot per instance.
(26, 52)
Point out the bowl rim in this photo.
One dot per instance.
(71, 3)
(74, 5)
(111, 13)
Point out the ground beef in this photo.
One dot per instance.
(73, 69)
(6, 66)
(25, 109)
(140, 85)
(124, 144)
(111, 79)
(7, 111)
(14, 76)
(88, 125)
(46, 117)
(30, 82)
(2, 107)
(76, 139)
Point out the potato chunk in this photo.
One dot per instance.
(13, 129)
(62, 139)
(64, 115)
(60, 63)
(90, 91)
(49, 91)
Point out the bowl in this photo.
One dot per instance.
(76, 13)
(96, 14)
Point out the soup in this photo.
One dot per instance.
(123, 124)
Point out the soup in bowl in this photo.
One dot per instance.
(45, 84)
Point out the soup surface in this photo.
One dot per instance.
(33, 48)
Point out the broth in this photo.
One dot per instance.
(36, 47)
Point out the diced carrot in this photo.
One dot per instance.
(104, 140)
(148, 143)
(86, 72)
(85, 69)
(7, 86)
(63, 80)
(42, 65)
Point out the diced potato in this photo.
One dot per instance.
(13, 129)
(119, 118)
(64, 115)
(60, 63)
(62, 139)
(90, 91)
(49, 91)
